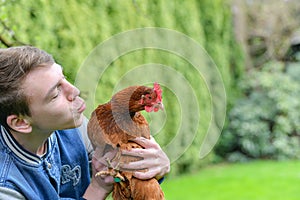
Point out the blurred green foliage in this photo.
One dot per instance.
(265, 123)
(71, 29)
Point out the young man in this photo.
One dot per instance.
(43, 141)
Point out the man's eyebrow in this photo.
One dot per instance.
(54, 86)
(51, 90)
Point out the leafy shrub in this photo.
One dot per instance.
(265, 123)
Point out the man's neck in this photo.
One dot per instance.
(35, 143)
(42, 150)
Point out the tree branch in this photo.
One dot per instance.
(3, 41)
(11, 33)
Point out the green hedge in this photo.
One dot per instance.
(70, 29)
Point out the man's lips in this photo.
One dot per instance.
(81, 108)
(79, 105)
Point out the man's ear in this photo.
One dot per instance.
(19, 123)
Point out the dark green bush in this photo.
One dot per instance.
(265, 123)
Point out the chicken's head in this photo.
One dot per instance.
(152, 100)
(137, 98)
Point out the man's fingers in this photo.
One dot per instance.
(140, 153)
(146, 143)
(137, 165)
(146, 175)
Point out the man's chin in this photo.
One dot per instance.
(78, 121)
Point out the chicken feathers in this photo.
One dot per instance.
(114, 125)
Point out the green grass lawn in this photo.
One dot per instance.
(259, 180)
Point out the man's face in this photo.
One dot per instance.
(53, 102)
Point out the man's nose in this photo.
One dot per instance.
(71, 91)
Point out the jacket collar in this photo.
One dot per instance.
(18, 150)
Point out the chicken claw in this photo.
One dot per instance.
(112, 171)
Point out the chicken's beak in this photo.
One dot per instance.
(161, 106)
(158, 106)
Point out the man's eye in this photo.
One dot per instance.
(55, 96)
(57, 93)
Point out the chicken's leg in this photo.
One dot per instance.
(112, 171)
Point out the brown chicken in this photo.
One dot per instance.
(114, 125)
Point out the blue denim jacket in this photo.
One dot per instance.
(62, 173)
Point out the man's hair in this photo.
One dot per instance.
(15, 64)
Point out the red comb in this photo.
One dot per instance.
(158, 91)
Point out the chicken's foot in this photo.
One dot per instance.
(112, 171)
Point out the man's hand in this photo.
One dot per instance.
(154, 160)
(102, 185)
(100, 163)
